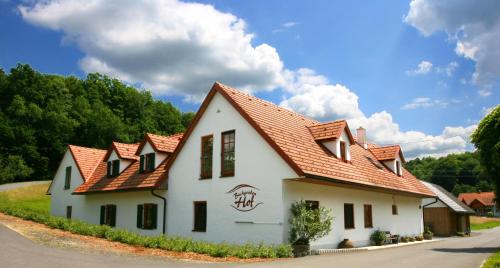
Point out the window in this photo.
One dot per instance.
(343, 152)
(67, 180)
(312, 204)
(69, 211)
(398, 168)
(394, 210)
(113, 168)
(227, 161)
(200, 216)
(147, 162)
(368, 216)
(206, 156)
(349, 216)
(108, 215)
(147, 215)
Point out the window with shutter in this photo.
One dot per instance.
(140, 216)
(108, 215)
(206, 156)
(343, 151)
(398, 168)
(348, 216)
(110, 169)
(116, 167)
(67, 178)
(147, 216)
(151, 161)
(312, 204)
(103, 215)
(200, 216)
(69, 211)
(394, 210)
(227, 156)
(141, 164)
(368, 216)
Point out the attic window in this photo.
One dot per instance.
(343, 152)
(398, 168)
(147, 162)
(113, 168)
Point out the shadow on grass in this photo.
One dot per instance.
(468, 250)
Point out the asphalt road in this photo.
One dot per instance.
(18, 251)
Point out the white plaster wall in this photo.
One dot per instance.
(159, 157)
(126, 209)
(407, 222)
(61, 198)
(438, 204)
(256, 164)
(124, 163)
(334, 146)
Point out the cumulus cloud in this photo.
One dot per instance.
(174, 47)
(424, 102)
(448, 69)
(167, 46)
(312, 94)
(423, 67)
(473, 25)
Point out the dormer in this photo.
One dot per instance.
(119, 157)
(391, 156)
(155, 149)
(336, 137)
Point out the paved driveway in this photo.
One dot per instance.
(17, 251)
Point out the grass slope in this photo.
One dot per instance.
(493, 261)
(480, 223)
(30, 197)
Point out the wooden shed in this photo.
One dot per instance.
(445, 215)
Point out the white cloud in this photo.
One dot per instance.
(473, 25)
(449, 69)
(175, 47)
(424, 102)
(165, 45)
(423, 67)
(289, 24)
(314, 96)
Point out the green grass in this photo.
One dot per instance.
(493, 261)
(484, 225)
(31, 203)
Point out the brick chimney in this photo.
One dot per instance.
(361, 137)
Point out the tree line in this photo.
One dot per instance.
(40, 114)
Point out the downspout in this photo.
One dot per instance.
(423, 210)
(164, 207)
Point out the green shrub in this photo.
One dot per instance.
(377, 237)
(308, 224)
(171, 243)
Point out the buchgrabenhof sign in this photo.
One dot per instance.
(245, 197)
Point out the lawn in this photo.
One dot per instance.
(30, 197)
(480, 223)
(493, 261)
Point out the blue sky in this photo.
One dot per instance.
(367, 47)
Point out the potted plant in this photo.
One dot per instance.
(404, 239)
(419, 238)
(378, 237)
(411, 238)
(428, 233)
(306, 225)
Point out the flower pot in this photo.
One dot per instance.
(428, 236)
(300, 250)
(379, 243)
(346, 243)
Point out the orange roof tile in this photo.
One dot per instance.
(386, 152)
(129, 179)
(330, 130)
(125, 150)
(86, 159)
(289, 134)
(164, 144)
(487, 198)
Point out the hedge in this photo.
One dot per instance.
(170, 243)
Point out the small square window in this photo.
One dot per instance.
(394, 210)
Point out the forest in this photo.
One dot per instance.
(40, 114)
(457, 173)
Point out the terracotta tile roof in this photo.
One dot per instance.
(486, 198)
(86, 159)
(164, 144)
(125, 150)
(288, 133)
(386, 152)
(330, 130)
(129, 179)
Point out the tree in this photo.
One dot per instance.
(445, 173)
(486, 138)
(308, 224)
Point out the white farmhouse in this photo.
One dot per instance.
(235, 173)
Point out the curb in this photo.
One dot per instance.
(369, 248)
